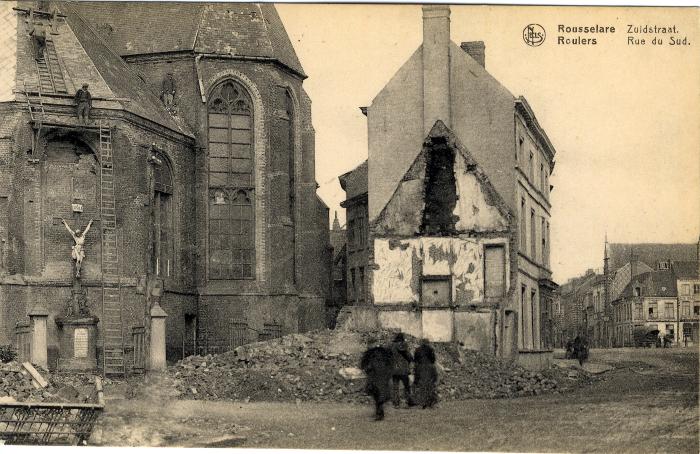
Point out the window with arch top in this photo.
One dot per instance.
(231, 183)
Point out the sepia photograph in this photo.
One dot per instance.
(342, 226)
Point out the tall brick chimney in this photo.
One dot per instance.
(476, 50)
(436, 65)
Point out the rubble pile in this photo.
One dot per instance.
(16, 386)
(321, 367)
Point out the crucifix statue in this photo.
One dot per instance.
(77, 249)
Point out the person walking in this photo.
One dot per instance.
(425, 373)
(401, 359)
(376, 362)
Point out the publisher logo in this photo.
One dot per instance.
(534, 35)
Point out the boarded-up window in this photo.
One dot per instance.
(436, 291)
(494, 271)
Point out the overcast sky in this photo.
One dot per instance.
(624, 119)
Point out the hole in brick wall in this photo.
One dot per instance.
(440, 191)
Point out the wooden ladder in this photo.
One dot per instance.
(44, 75)
(113, 336)
(49, 71)
(54, 67)
(35, 104)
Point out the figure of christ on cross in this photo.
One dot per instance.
(78, 254)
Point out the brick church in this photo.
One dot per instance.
(181, 133)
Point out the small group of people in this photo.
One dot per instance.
(388, 368)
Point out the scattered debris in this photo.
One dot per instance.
(24, 382)
(314, 367)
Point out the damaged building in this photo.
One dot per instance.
(192, 162)
(456, 196)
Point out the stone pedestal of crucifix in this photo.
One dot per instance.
(77, 329)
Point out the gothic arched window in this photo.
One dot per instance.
(231, 183)
(163, 214)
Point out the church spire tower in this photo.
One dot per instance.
(336, 222)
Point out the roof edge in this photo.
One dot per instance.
(524, 109)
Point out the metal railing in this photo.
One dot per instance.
(29, 423)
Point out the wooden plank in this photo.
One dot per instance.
(35, 375)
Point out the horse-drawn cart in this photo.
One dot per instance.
(50, 423)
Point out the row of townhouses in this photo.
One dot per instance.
(641, 289)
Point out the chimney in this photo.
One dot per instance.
(436, 65)
(476, 50)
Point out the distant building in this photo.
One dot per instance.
(354, 183)
(648, 302)
(557, 321)
(338, 238)
(598, 330)
(573, 301)
(587, 301)
(688, 281)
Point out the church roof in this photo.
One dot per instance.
(79, 56)
(121, 81)
(238, 29)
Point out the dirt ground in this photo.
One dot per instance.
(647, 403)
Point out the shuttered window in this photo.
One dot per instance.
(494, 271)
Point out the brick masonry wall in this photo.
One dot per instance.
(41, 192)
(45, 191)
(267, 79)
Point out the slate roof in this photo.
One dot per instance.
(354, 182)
(653, 283)
(242, 29)
(121, 80)
(685, 269)
(650, 253)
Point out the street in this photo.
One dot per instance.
(648, 403)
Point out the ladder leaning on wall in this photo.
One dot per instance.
(112, 329)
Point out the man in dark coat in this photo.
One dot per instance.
(376, 363)
(83, 102)
(425, 372)
(401, 360)
(580, 349)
